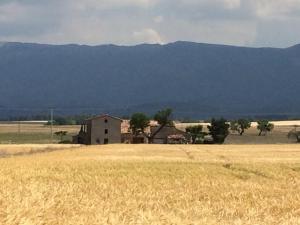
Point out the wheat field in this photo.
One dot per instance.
(150, 184)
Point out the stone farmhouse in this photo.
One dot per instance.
(106, 129)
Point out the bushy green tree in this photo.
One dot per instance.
(138, 123)
(234, 127)
(264, 126)
(164, 118)
(240, 125)
(219, 130)
(195, 132)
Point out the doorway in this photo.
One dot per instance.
(106, 141)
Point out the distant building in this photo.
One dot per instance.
(98, 130)
(169, 135)
(129, 138)
(177, 139)
(106, 129)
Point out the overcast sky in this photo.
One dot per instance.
(273, 23)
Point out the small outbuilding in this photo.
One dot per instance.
(169, 135)
(177, 139)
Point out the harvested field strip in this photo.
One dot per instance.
(19, 150)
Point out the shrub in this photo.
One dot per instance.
(219, 130)
(264, 126)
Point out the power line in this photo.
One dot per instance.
(51, 115)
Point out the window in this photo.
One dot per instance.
(106, 141)
(105, 121)
(106, 131)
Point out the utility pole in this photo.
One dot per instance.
(51, 115)
(19, 127)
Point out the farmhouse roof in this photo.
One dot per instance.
(153, 127)
(104, 116)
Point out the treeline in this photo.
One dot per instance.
(219, 129)
(57, 120)
(69, 120)
(65, 118)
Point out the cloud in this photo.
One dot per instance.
(236, 22)
(158, 19)
(241, 33)
(232, 4)
(277, 9)
(147, 35)
(224, 4)
(110, 4)
(280, 34)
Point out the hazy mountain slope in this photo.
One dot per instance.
(195, 79)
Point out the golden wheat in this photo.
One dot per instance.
(152, 184)
(23, 149)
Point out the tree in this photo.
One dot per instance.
(294, 134)
(219, 130)
(240, 125)
(234, 127)
(164, 118)
(61, 134)
(264, 126)
(195, 132)
(138, 123)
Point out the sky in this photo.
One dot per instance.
(253, 23)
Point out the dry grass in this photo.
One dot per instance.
(278, 136)
(153, 184)
(33, 133)
(35, 128)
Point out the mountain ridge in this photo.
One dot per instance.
(197, 79)
(146, 44)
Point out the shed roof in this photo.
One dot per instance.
(104, 116)
(153, 128)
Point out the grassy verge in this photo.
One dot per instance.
(30, 138)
